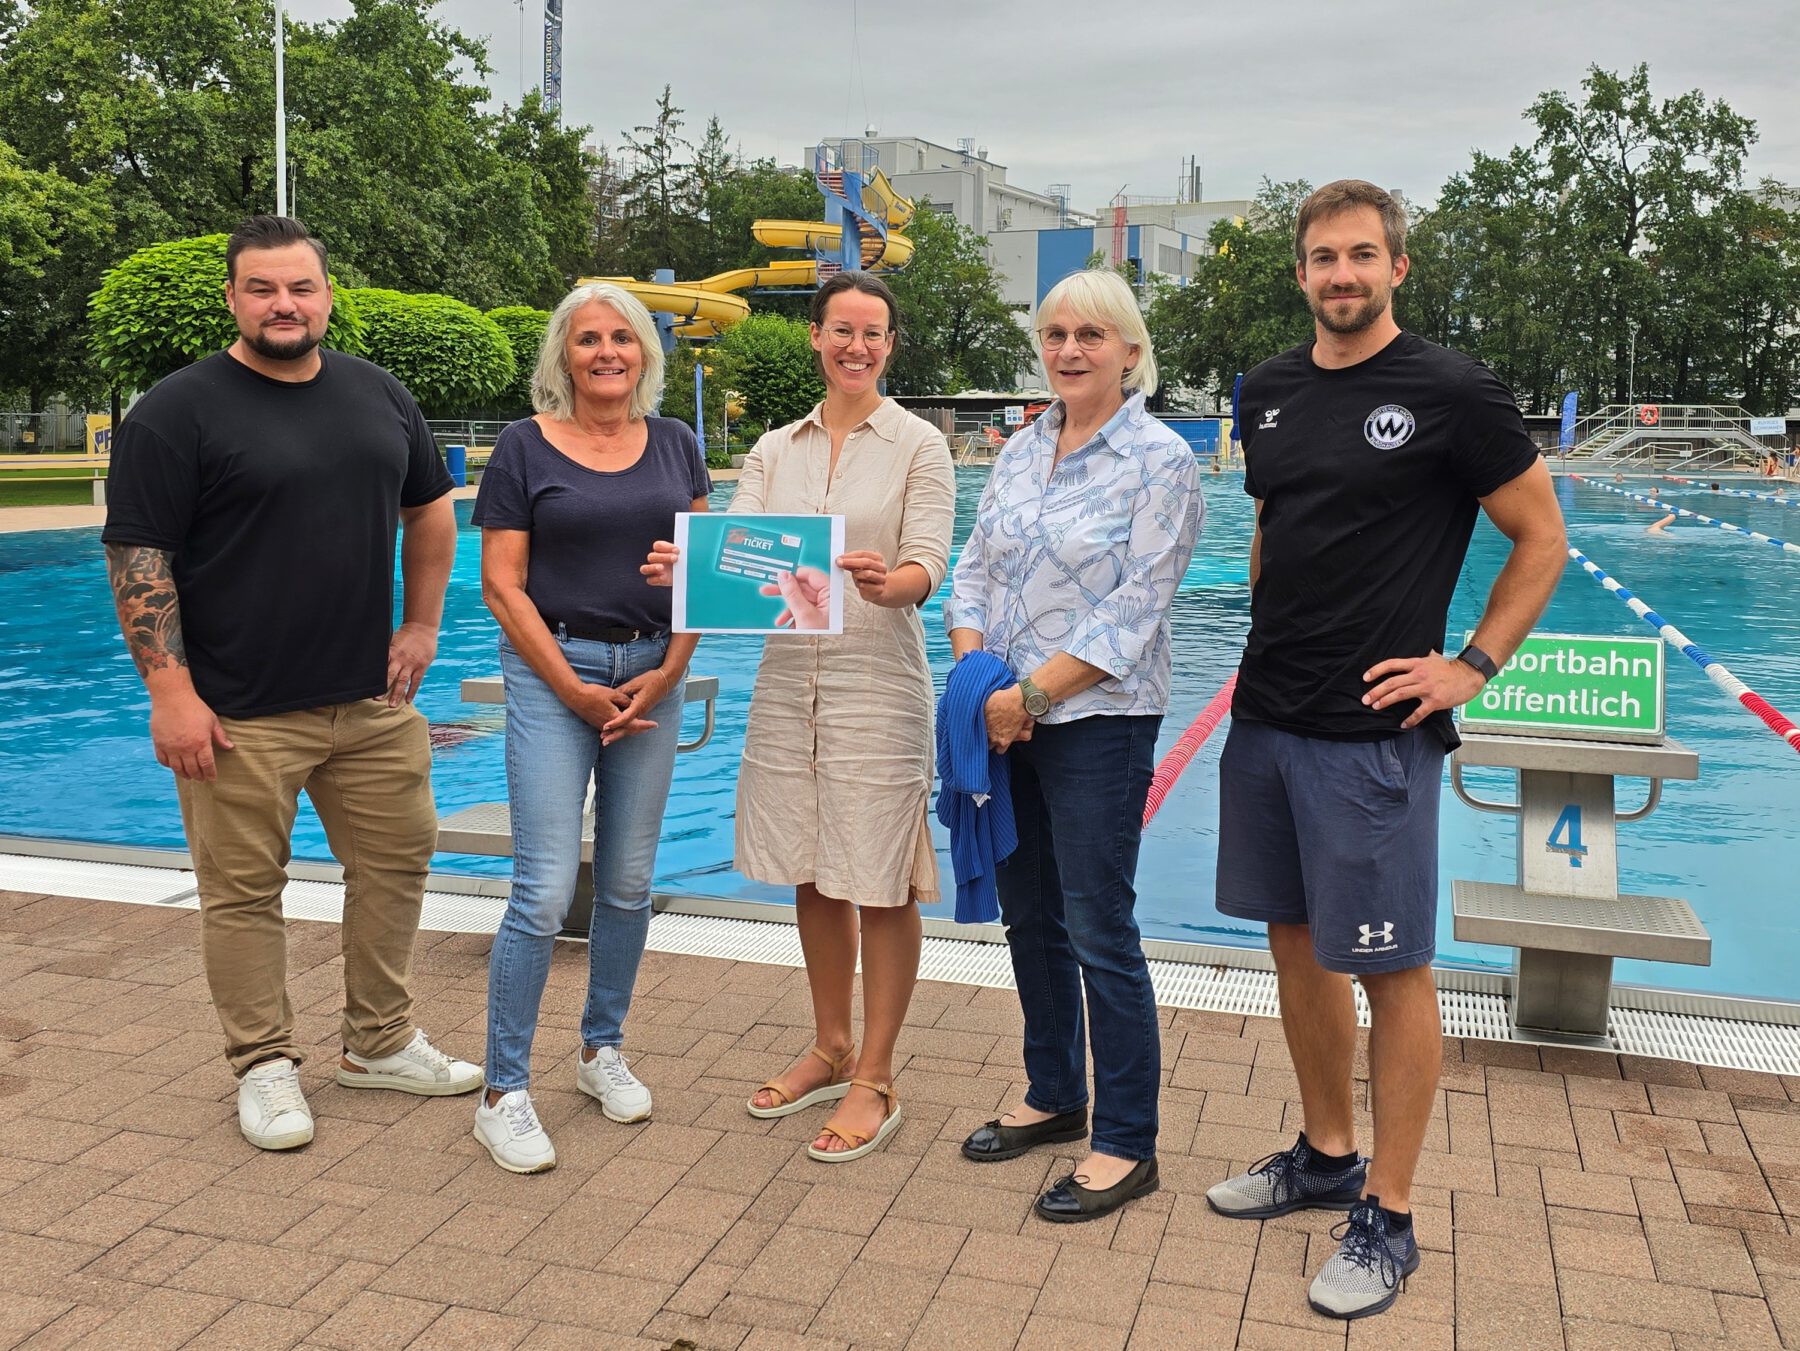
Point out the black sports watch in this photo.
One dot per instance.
(1474, 656)
(1037, 703)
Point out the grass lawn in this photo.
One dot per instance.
(19, 490)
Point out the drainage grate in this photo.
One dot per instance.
(1770, 1047)
(93, 881)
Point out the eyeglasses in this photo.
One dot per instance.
(873, 338)
(1088, 337)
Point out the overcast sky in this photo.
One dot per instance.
(1101, 95)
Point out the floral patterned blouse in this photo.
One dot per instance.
(1085, 557)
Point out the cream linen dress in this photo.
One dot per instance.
(838, 755)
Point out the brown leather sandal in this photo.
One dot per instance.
(860, 1144)
(786, 1104)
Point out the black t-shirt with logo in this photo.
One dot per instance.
(1368, 478)
(280, 502)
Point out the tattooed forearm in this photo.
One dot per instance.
(143, 586)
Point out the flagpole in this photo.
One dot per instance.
(281, 192)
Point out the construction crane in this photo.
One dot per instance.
(553, 17)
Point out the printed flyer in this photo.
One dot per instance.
(746, 572)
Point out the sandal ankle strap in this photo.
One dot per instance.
(835, 1065)
(885, 1089)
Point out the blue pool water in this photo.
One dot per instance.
(76, 762)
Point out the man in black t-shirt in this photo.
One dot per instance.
(253, 503)
(1369, 452)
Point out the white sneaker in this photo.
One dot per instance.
(272, 1111)
(417, 1067)
(513, 1134)
(607, 1077)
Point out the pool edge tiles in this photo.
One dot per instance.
(1209, 984)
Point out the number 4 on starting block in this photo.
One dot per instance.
(1565, 835)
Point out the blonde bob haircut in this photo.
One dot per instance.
(552, 388)
(1101, 297)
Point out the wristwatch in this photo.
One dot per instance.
(1474, 656)
(1037, 703)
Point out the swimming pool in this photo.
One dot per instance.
(76, 763)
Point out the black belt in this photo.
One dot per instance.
(599, 635)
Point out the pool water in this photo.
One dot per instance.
(76, 763)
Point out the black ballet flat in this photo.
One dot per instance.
(994, 1142)
(1068, 1202)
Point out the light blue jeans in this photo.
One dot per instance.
(550, 756)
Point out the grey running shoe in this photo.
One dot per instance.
(1287, 1181)
(1369, 1270)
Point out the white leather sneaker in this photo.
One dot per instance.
(622, 1095)
(513, 1134)
(417, 1067)
(272, 1111)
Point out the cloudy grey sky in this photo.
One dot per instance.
(1099, 95)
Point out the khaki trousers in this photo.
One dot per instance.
(367, 769)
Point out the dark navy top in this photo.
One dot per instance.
(591, 529)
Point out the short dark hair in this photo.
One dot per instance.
(271, 232)
(1341, 196)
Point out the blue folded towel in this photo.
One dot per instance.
(974, 785)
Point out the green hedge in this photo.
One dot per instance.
(450, 355)
(524, 329)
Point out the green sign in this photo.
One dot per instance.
(1571, 685)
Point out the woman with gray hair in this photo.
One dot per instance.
(569, 505)
(1082, 535)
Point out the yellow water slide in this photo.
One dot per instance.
(706, 308)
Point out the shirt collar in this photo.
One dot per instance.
(1116, 431)
(885, 421)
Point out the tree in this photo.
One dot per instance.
(163, 109)
(164, 308)
(955, 331)
(1242, 304)
(524, 329)
(772, 365)
(53, 234)
(449, 355)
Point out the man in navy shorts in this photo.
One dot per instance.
(1368, 452)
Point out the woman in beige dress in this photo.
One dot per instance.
(836, 777)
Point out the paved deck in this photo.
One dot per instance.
(1567, 1199)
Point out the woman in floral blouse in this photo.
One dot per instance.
(1082, 536)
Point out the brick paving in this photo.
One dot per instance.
(1567, 1199)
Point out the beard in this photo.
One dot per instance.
(1357, 320)
(292, 349)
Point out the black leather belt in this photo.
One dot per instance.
(598, 635)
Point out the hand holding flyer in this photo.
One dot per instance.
(756, 573)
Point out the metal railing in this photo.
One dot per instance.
(1711, 436)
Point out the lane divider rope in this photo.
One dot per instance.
(1737, 492)
(1184, 750)
(1715, 670)
(1781, 544)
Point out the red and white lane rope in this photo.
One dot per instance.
(1715, 670)
(1782, 544)
(1737, 492)
(1188, 746)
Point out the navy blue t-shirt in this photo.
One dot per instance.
(591, 529)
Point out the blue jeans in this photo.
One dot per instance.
(550, 756)
(1066, 898)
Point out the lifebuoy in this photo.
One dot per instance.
(1649, 414)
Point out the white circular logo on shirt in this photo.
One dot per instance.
(1388, 427)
